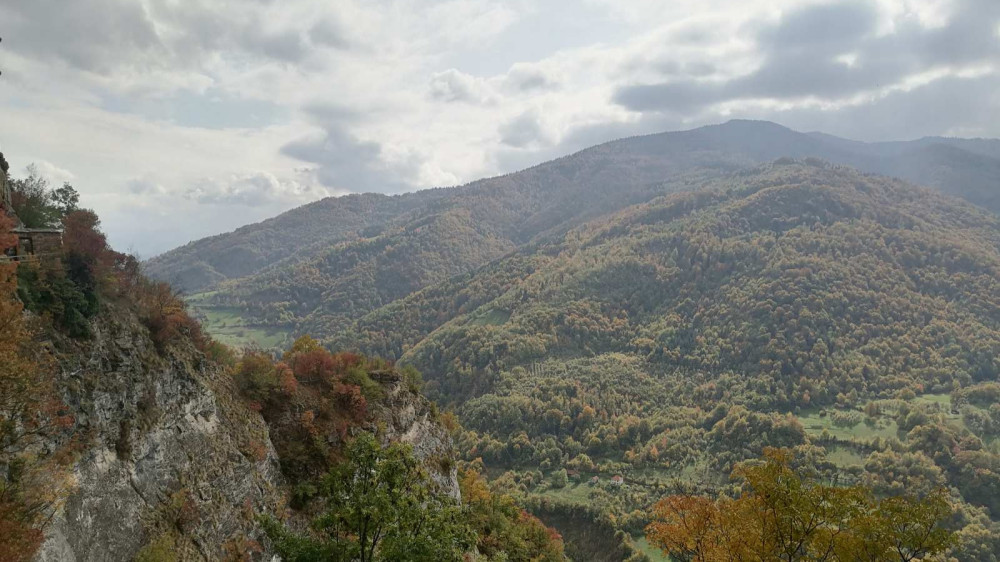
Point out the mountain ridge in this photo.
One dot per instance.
(737, 136)
(356, 265)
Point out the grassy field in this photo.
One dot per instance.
(226, 325)
(844, 457)
(815, 421)
(572, 492)
(654, 554)
(492, 318)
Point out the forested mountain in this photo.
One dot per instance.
(794, 271)
(850, 317)
(664, 308)
(281, 239)
(313, 268)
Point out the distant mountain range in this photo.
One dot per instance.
(318, 267)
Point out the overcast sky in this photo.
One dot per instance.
(177, 119)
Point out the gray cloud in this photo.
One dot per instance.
(956, 106)
(330, 32)
(524, 78)
(103, 36)
(454, 85)
(95, 36)
(523, 131)
(144, 186)
(345, 162)
(803, 56)
(251, 190)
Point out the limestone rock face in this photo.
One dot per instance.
(408, 417)
(167, 452)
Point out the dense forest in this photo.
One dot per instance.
(800, 305)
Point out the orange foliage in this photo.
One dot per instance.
(166, 316)
(350, 398)
(314, 366)
(82, 235)
(686, 526)
(20, 537)
(29, 411)
(286, 379)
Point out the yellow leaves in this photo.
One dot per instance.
(782, 515)
(474, 487)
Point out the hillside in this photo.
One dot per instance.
(356, 263)
(798, 304)
(681, 279)
(126, 433)
(282, 239)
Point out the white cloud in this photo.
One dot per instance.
(180, 119)
(455, 85)
(53, 174)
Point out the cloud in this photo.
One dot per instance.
(51, 173)
(524, 77)
(345, 162)
(251, 190)
(524, 131)
(181, 119)
(832, 52)
(95, 36)
(144, 186)
(331, 32)
(453, 85)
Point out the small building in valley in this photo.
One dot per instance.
(617, 480)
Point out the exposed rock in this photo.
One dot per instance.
(166, 449)
(409, 417)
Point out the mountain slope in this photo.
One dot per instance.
(440, 233)
(252, 248)
(748, 278)
(799, 305)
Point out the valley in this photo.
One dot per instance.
(797, 304)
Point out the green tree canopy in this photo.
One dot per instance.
(379, 506)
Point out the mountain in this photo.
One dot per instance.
(314, 268)
(249, 249)
(791, 270)
(852, 318)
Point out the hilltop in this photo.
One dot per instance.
(313, 268)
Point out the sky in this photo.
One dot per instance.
(179, 119)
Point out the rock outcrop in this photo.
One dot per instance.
(408, 417)
(168, 454)
(166, 451)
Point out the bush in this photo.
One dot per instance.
(57, 296)
(559, 478)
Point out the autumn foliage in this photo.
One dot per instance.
(502, 527)
(29, 411)
(310, 398)
(784, 516)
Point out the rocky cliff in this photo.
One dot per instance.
(169, 456)
(408, 417)
(166, 450)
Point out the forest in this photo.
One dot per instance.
(847, 317)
